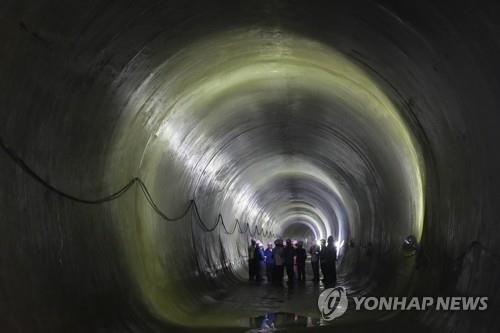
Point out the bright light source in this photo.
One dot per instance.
(338, 245)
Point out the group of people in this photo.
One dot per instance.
(273, 262)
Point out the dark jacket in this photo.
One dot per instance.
(330, 254)
(278, 255)
(289, 253)
(269, 256)
(259, 255)
(301, 256)
(322, 254)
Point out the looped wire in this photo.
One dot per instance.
(147, 195)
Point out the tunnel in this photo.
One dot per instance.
(144, 144)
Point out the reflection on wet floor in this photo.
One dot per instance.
(271, 322)
(261, 306)
(247, 304)
(264, 307)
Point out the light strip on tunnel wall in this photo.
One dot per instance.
(323, 65)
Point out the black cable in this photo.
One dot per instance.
(136, 180)
(17, 160)
(158, 211)
(239, 227)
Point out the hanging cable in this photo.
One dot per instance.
(147, 195)
(18, 161)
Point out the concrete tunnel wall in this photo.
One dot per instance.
(372, 120)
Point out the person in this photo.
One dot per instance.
(301, 262)
(289, 255)
(330, 263)
(278, 260)
(251, 260)
(322, 258)
(260, 261)
(268, 253)
(314, 252)
(294, 246)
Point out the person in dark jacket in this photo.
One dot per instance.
(268, 253)
(330, 263)
(251, 260)
(314, 252)
(322, 258)
(301, 262)
(278, 262)
(289, 254)
(260, 261)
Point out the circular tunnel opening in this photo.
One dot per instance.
(243, 121)
(300, 231)
(271, 126)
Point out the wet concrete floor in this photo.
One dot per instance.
(264, 307)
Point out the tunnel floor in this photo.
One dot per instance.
(252, 306)
(261, 306)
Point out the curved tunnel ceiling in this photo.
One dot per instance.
(351, 120)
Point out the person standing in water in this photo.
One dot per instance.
(251, 260)
(289, 254)
(314, 252)
(278, 261)
(268, 253)
(330, 263)
(301, 262)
